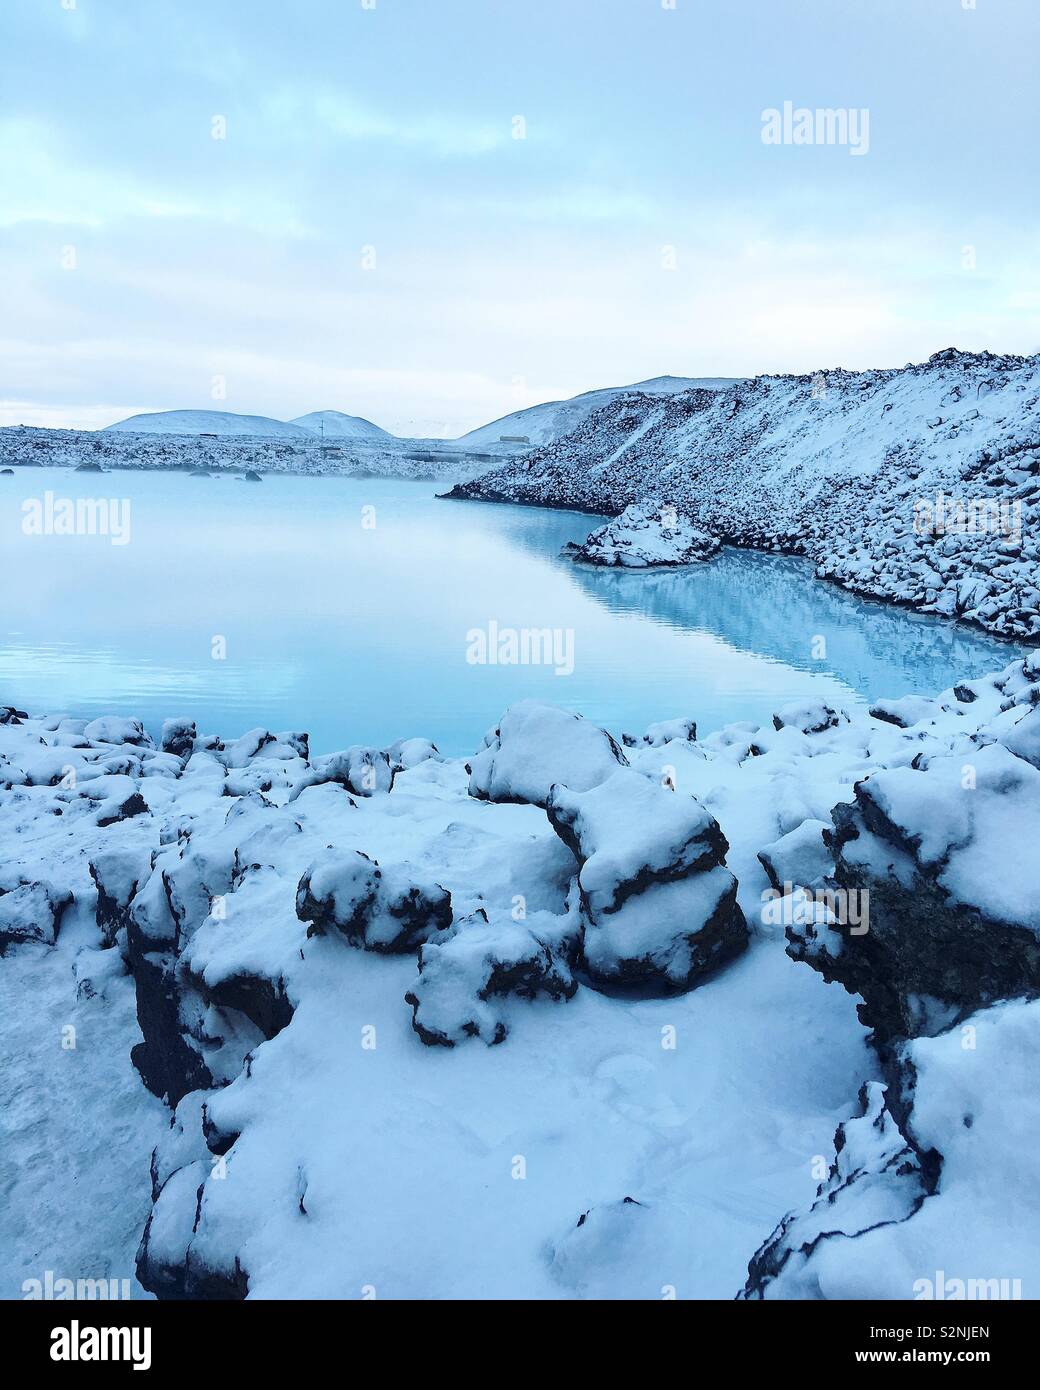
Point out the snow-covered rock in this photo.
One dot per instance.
(541, 424)
(464, 979)
(536, 745)
(29, 910)
(801, 858)
(943, 855)
(663, 731)
(659, 909)
(393, 908)
(876, 1178)
(645, 535)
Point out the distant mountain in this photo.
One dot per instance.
(221, 422)
(340, 426)
(541, 424)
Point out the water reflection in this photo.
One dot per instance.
(773, 605)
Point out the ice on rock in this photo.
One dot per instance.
(646, 534)
(392, 909)
(464, 980)
(536, 745)
(659, 909)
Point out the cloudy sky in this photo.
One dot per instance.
(433, 212)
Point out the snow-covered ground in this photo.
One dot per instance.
(551, 1021)
(918, 485)
(75, 1122)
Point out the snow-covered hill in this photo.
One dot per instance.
(220, 422)
(339, 426)
(920, 485)
(540, 424)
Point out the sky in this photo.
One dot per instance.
(434, 212)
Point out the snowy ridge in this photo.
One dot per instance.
(541, 424)
(861, 471)
(516, 938)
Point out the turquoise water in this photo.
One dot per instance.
(347, 608)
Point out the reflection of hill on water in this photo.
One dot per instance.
(773, 605)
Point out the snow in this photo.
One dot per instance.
(76, 1125)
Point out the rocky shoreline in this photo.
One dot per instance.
(557, 887)
(919, 486)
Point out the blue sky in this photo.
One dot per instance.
(371, 237)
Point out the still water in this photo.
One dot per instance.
(349, 608)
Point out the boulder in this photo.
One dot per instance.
(464, 979)
(658, 906)
(391, 909)
(536, 745)
(646, 534)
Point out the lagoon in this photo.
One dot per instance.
(351, 608)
